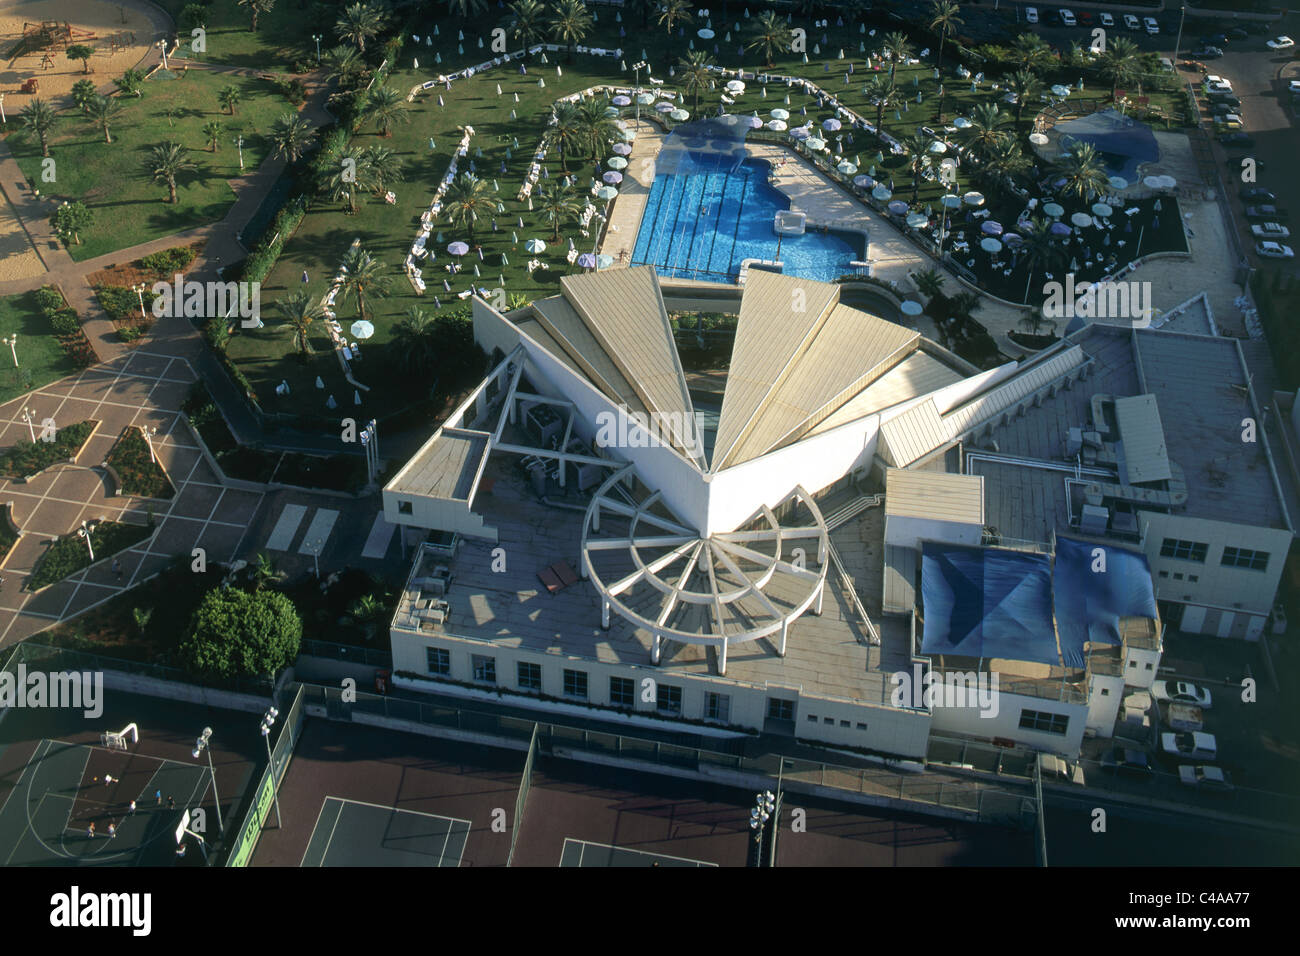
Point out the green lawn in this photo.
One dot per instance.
(128, 206)
(41, 359)
(283, 34)
(386, 231)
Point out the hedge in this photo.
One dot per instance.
(29, 458)
(165, 262)
(68, 554)
(140, 474)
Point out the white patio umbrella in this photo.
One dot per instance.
(616, 162)
(911, 307)
(1038, 139)
(973, 199)
(1118, 182)
(961, 122)
(847, 168)
(776, 125)
(917, 219)
(780, 114)
(989, 244)
(680, 115)
(1101, 209)
(881, 193)
(361, 329)
(1081, 219)
(534, 245)
(814, 143)
(1053, 209)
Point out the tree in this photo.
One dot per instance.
(466, 199)
(928, 282)
(256, 8)
(918, 158)
(37, 119)
(237, 634)
(465, 9)
(1041, 248)
(384, 167)
(83, 91)
(194, 15)
(165, 163)
(1119, 63)
(262, 571)
(82, 52)
(772, 35)
(101, 110)
(290, 135)
(1026, 85)
(673, 12)
(386, 107)
(1084, 172)
(360, 22)
(368, 612)
(1006, 159)
(228, 96)
(570, 24)
(599, 131)
(557, 205)
(346, 176)
(299, 313)
(984, 121)
(414, 337)
(344, 64)
(130, 83)
(212, 131)
(567, 132)
(880, 93)
(70, 220)
(944, 20)
(363, 276)
(696, 75)
(899, 49)
(1030, 52)
(525, 23)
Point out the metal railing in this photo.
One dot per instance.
(368, 656)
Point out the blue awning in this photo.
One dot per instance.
(1089, 603)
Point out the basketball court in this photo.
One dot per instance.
(353, 833)
(584, 853)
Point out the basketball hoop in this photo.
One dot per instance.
(117, 741)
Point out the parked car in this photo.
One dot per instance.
(1257, 194)
(1230, 121)
(1152, 27)
(1107, 20)
(1181, 692)
(1194, 745)
(1085, 18)
(1215, 39)
(1270, 230)
(1126, 760)
(1237, 33)
(1277, 620)
(1184, 717)
(1215, 82)
(1280, 43)
(1242, 140)
(1131, 22)
(1031, 14)
(1267, 213)
(1067, 18)
(1293, 86)
(1225, 99)
(1269, 249)
(1205, 777)
(1208, 53)
(1221, 108)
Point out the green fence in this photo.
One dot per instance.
(68, 659)
(245, 841)
(369, 656)
(525, 784)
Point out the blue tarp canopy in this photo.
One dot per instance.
(1089, 603)
(987, 602)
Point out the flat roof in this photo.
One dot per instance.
(934, 494)
(445, 466)
(1143, 435)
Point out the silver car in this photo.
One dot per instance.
(1181, 692)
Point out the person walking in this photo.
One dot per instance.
(131, 810)
(171, 804)
(305, 278)
(117, 568)
(158, 796)
(90, 830)
(112, 831)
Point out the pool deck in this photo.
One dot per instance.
(638, 177)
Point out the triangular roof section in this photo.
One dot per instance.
(624, 311)
(779, 316)
(571, 335)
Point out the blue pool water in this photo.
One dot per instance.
(714, 209)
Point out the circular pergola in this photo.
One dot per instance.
(714, 590)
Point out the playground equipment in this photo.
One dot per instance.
(47, 36)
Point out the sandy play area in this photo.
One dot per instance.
(93, 23)
(18, 259)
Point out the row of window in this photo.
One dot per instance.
(1198, 550)
(830, 722)
(1044, 721)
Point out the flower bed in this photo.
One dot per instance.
(136, 471)
(26, 458)
(9, 533)
(68, 554)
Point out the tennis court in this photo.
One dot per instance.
(584, 853)
(65, 788)
(352, 833)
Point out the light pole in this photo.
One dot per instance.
(239, 144)
(267, 720)
(764, 805)
(148, 436)
(3, 118)
(29, 417)
(1182, 12)
(203, 745)
(317, 38)
(162, 45)
(370, 442)
(84, 532)
(637, 68)
(138, 289)
(12, 342)
(315, 554)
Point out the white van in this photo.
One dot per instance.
(1184, 717)
(1031, 14)
(1067, 18)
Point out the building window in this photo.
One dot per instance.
(1164, 574)
(812, 718)
(1193, 578)
(485, 668)
(717, 707)
(861, 725)
(404, 508)
(622, 692)
(439, 660)
(1245, 558)
(844, 723)
(668, 699)
(1178, 576)
(829, 720)
(575, 684)
(778, 708)
(1133, 664)
(1105, 692)
(530, 676)
(1183, 550)
(1043, 721)
(1150, 665)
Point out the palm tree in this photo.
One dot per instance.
(944, 21)
(928, 282)
(228, 97)
(257, 8)
(130, 83)
(83, 91)
(570, 23)
(384, 167)
(212, 130)
(347, 176)
(772, 35)
(1026, 85)
(1119, 63)
(415, 338)
(101, 110)
(467, 198)
(290, 135)
(1005, 159)
(386, 106)
(38, 119)
(465, 9)
(363, 276)
(525, 24)
(1085, 174)
(984, 121)
(345, 65)
(360, 22)
(918, 151)
(898, 47)
(695, 74)
(262, 571)
(673, 12)
(598, 130)
(880, 93)
(567, 132)
(165, 163)
(1031, 52)
(299, 312)
(368, 612)
(1041, 248)
(557, 206)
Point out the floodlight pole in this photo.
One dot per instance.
(1179, 42)
(201, 745)
(267, 720)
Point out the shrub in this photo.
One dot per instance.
(68, 554)
(217, 333)
(234, 633)
(140, 474)
(26, 458)
(264, 255)
(166, 262)
(49, 299)
(64, 322)
(121, 303)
